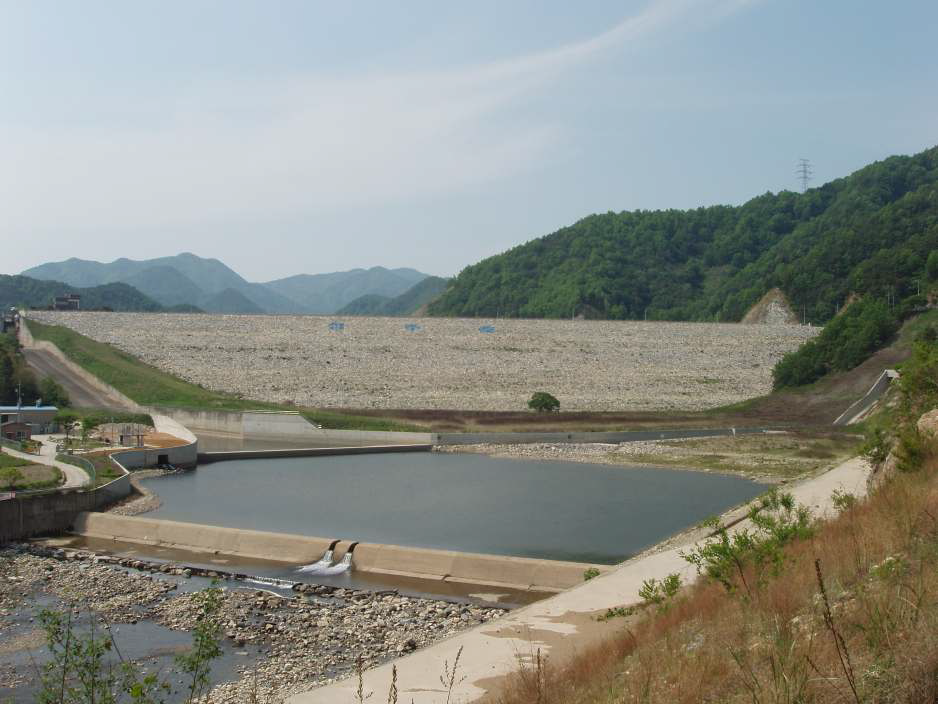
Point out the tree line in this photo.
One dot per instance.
(17, 381)
(870, 233)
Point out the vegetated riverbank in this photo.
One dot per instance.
(302, 639)
(768, 457)
(843, 611)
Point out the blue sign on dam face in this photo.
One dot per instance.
(466, 502)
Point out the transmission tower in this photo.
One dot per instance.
(804, 173)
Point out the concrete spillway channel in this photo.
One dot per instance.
(514, 573)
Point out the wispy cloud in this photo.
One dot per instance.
(305, 144)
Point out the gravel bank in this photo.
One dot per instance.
(308, 638)
(449, 363)
(631, 453)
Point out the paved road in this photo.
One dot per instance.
(75, 477)
(492, 650)
(81, 393)
(859, 408)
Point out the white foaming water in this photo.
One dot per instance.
(344, 566)
(325, 562)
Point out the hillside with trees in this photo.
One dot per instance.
(23, 291)
(18, 383)
(870, 233)
(408, 303)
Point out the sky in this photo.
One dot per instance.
(303, 137)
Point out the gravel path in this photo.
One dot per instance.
(449, 363)
(75, 476)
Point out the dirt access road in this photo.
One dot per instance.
(81, 393)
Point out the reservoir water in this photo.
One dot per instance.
(467, 502)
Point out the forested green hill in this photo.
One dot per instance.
(33, 293)
(408, 303)
(868, 233)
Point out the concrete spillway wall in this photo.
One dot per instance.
(286, 425)
(207, 457)
(447, 565)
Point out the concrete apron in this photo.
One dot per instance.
(491, 651)
(493, 571)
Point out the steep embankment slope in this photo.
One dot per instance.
(869, 233)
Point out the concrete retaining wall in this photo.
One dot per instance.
(215, 422)
(286, 425)
(251, 544)
(206, 457)
(469, 568)
(50, 514)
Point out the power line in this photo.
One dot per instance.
(804, 173)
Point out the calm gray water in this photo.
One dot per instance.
(466, 502)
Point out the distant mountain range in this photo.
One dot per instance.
(411, 302)
(215, 288)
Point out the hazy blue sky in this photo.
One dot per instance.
(288, 137)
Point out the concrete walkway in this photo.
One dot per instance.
(556, 625)
(75, 477)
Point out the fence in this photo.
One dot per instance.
(81, 463)
(12, 444)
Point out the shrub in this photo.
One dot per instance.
(53, 394)
(724, 558)
(543, 402)
(845, 342)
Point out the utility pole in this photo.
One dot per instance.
(804, 173)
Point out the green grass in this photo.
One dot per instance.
(8, 461)
(142, 382)
(21, 475)
(150, 386)
(343, 421)
(104, 468)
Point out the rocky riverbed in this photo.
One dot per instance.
(311, 635)
(450, 363)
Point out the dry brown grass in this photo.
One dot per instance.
(870, 635)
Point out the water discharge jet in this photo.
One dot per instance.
(324, 562)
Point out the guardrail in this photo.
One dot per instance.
(12, 444)
(81, 463)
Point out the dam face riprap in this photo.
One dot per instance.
(468, 503)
